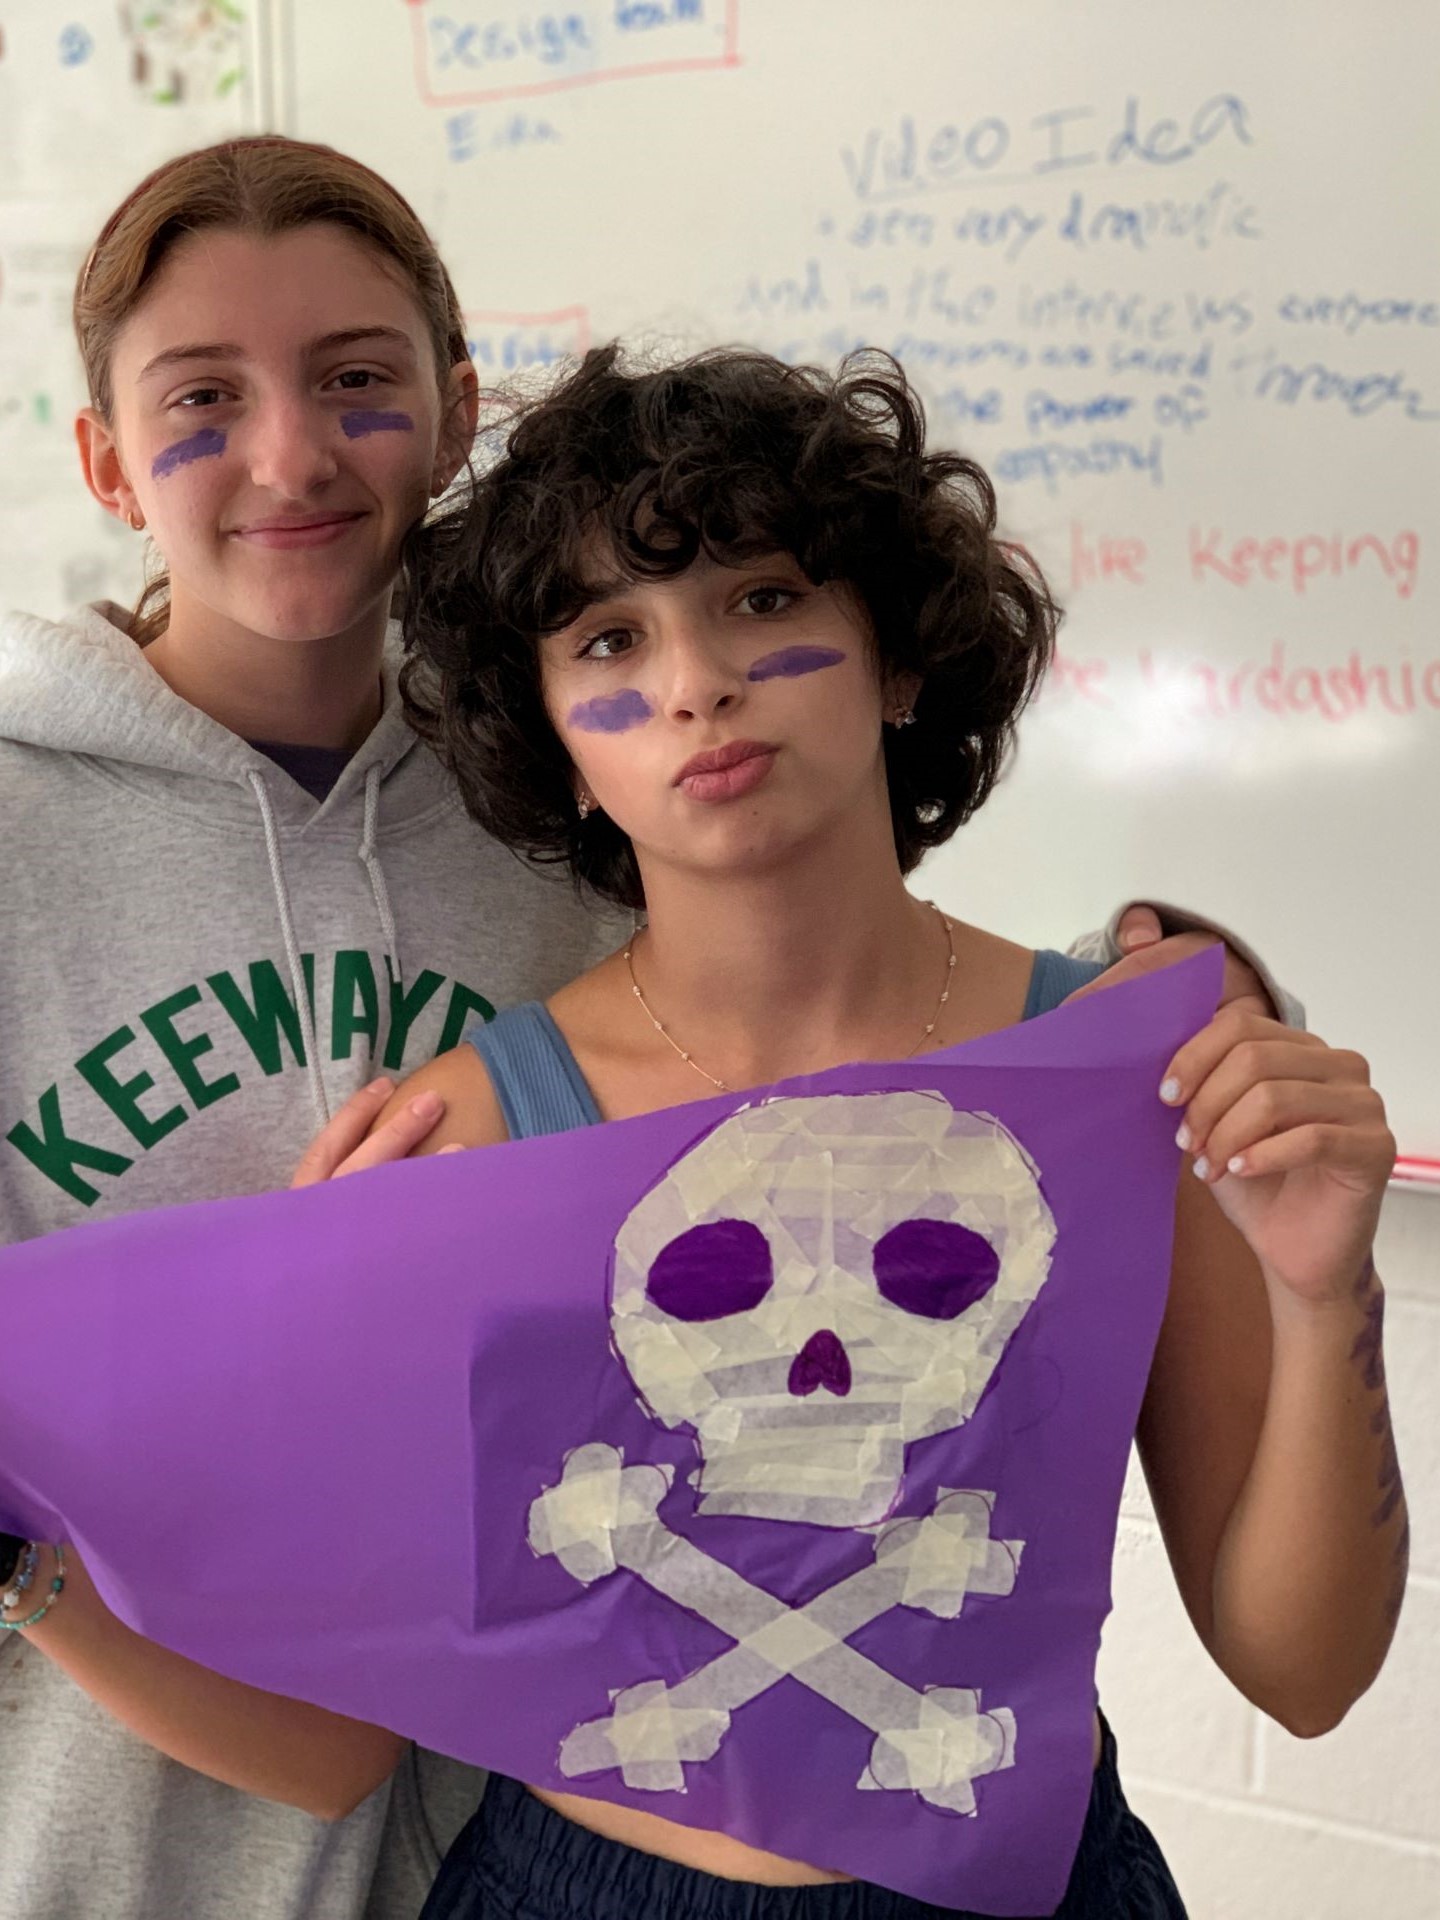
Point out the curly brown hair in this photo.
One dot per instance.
(738, 455)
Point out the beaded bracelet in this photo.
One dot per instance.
(57, 1587)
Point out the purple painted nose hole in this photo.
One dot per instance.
(821, 1362)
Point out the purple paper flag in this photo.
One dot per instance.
(777, 1436)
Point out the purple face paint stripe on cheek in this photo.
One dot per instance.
(611, 712)
(358, 424)
(199, 446)
(792, 661)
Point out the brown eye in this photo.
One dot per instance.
(605, 646)
(764, 600)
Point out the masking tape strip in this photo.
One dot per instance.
(603, 1515)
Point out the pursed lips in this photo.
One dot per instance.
(727, 773)
(722, 759)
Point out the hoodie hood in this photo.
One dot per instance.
(82, 686)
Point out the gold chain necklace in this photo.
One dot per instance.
(720, 1085)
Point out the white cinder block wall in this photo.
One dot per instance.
(1257, 1825)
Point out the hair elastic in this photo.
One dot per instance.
(27, 1580)
(12, 1545)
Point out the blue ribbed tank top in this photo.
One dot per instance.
(540, 1086)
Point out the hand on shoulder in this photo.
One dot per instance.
(1147, 949)
(444, 1106)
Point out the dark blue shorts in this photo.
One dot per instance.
(519, 1860)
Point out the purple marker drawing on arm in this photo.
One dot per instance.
(199, 446)
(358, 424)
(790, 661)
(611, 712)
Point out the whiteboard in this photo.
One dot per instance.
(1171, 274)
(92, 96)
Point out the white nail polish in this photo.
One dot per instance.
(1236, 1163)
(1184, 1138)
(1201, 1168)
(1170, 1089)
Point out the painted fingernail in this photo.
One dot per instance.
(1236, 1163)
(427, 1106)
(1170, 1090)
(1184, 1139)
(1201, 1168)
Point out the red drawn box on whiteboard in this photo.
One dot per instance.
(422, 14)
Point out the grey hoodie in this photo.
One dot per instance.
(171, 900)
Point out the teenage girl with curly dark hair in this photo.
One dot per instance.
(727, 641)
(733, 458)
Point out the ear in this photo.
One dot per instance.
(901, 691)
(459, 418)
(103, 468)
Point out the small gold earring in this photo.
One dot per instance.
(135, 521)
(904, 717)
(584, 806)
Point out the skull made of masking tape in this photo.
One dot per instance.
(820, 1281)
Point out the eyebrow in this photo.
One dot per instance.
(229, 350)
(597, 592)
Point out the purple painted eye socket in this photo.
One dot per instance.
(711, 1270)
(935, 1268)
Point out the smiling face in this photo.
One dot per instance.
(727, 714)
(280, 423)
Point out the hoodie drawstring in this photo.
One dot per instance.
(370, 859)
(292, 950)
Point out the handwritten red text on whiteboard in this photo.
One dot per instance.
(1298, 563)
